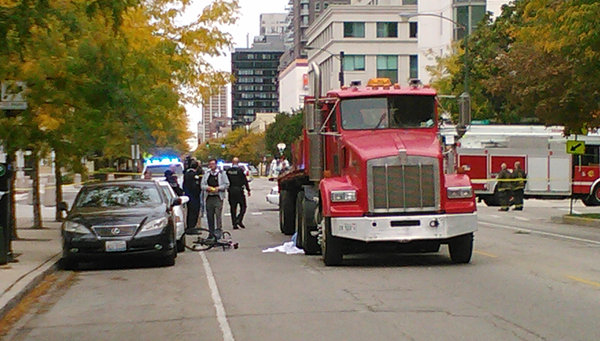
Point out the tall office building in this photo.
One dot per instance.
(302, 13)
(214, 116)
(255, 87)
(272, 24)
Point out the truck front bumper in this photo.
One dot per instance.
(404, 228)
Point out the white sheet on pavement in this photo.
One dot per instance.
(289, 248)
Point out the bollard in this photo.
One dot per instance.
(49, 198)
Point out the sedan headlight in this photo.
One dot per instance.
(156, 224)
(343, 196)
(73, 227)
(459, 192)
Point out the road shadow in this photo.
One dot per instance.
(120, 263)
(397, 260)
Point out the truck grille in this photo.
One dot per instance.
(403, 187)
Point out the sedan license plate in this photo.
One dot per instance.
(115, 246)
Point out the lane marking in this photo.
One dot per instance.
(522, 219)
(483, 253)
(227, 214)
(494, 216)
(550, 234)
(569, 210)
(256, 213)
(584, 281)
(218, 303)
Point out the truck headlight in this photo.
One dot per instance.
(73, 227)
(343, 196)
(459, 192)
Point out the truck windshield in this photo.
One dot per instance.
(400, 111)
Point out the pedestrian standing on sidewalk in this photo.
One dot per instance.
(214, 185)
(192, 190)
(519, 178)
(504, 187)
(237, 183)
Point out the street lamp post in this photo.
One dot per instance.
(465, 97)
(340, 57)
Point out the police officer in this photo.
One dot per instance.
(504, 187)
(171, 178)
(191, 187)
(518, 185)
(238, 181)
(214, 185)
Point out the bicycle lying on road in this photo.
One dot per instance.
(203, 239)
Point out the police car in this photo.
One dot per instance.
(158, 165)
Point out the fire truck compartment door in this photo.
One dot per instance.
(560, 174)
(537, 174)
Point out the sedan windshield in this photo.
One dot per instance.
(400, 111)
(118, 195)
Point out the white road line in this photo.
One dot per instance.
(569, 210)
(227, 214)
(494, 216)
(219, 308)
(256, 213)
(550, 234)
(522, 219)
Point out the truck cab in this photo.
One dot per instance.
(369, 174)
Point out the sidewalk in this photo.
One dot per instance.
(37, 252)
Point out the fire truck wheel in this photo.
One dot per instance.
(299, 219)
(310, 243)
(287, 212)
(594, 198)
(331, 247)
(461, 248)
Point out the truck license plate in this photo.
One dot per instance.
(115, 246)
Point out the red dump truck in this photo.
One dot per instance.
(369, 176)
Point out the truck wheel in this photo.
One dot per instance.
(299, 219)
(331, 247)
(461, 248)
(287, 213)
(310, 242)
(594, 198)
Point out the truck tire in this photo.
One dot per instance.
(594, 198)
(299, 219)
(287, 212)
(331, 247)
(310, 243)
(461, 248)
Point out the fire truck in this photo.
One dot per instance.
(369, 176)
(553, 169)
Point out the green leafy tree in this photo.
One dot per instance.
(286, 129)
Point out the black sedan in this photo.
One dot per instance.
(131, 217)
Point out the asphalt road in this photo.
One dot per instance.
(529, 279)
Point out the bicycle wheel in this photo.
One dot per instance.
(201, 240)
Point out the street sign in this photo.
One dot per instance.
(576, 147)
(12, 95)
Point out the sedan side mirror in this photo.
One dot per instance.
(180, 201)
(62, 206)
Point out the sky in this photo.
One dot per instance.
(246, 26)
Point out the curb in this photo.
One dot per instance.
(15, 293)
(566, 219)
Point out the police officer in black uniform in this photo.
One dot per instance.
(238, 181)
(191, 187)
(171, 178)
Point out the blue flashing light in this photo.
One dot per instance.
(167, 160)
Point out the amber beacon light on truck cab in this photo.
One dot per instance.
(369, 175)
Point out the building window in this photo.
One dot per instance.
(387, 30)
(354, 30)
(412, 30)
(414, 66)
(354, 63)
(409, 2)
(468, 13)
(387, 67)
(317, 7)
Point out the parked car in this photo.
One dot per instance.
(253, 170)
(180, 212)
(126, 217)
(227, 165)
(273, 196)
